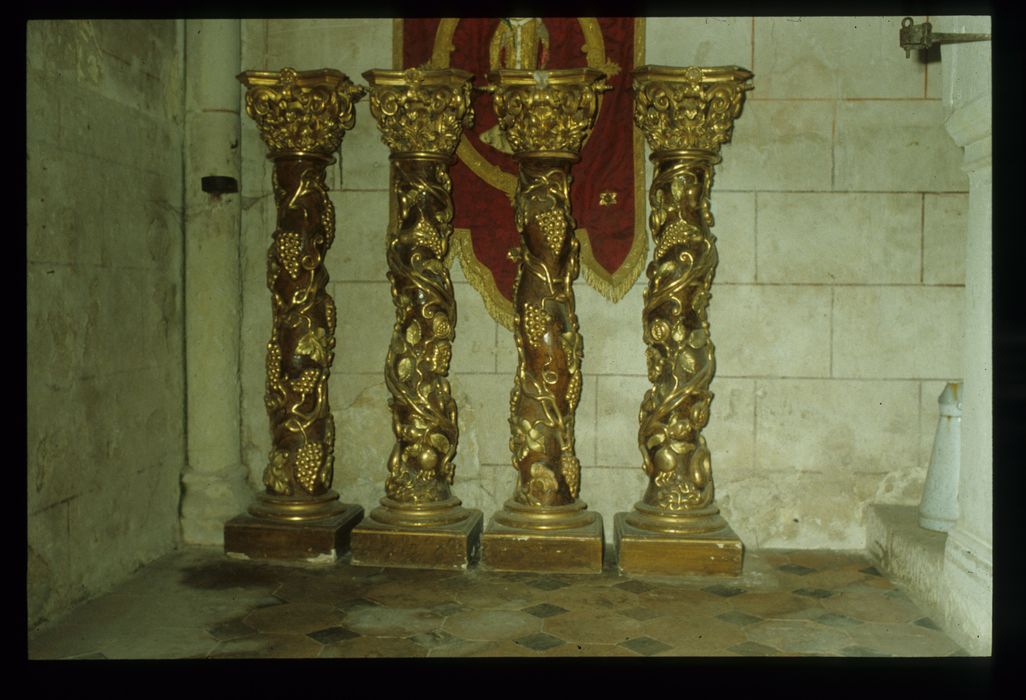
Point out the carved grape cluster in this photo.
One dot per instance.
(289, 248)
(553, 224)
(536, 323)
(306, 381)
(273, 374)
(308, 465)
(571, 468)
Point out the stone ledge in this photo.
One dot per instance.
(912, 555)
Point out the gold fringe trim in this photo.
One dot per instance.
(480, 277)
(616, 285)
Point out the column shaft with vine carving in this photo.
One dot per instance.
(302, 118)
(680, 356)
(420, 467)
(301, 349)
(421, 114)
(546, 117)
(685, 114)
(547, 385)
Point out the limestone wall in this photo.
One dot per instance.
(837, 306)
(105, 437)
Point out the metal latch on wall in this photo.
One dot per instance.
(921, 37)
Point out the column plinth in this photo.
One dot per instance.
(302, 117)
(686, 114)
(420, 523)
(545, 116)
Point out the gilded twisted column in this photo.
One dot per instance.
(685, 114)
(421, 115)
(302, 117)
(546, 117)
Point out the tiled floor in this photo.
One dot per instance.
(197, 603)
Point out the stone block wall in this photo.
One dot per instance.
(104, 317)
(836, 311)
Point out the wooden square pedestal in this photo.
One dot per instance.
(651, 553)
(315, 540)
(569, 551)
(453, 546)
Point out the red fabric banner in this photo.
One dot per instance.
(607, 194)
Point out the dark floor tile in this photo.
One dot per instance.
(646, 646)
(230, 630)
(267, 646)
(547, 583)
(813, 592)
(330, 635)
(634, 586)
(796, 569)
(836, 620)
(857, 650)
(927, 623)
(373, 648)
(739, 618)
(753, 649)
(545, 610)
(724, 591)
(539, 641)
(871, 571)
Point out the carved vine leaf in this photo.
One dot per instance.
(542, 485)
(276, 477)
(313, 344)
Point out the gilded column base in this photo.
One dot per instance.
(435, 536)
(316, 540)
(557, 539)
(655, 552)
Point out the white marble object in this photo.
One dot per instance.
(938, 509)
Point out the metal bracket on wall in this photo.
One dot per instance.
(921, 37)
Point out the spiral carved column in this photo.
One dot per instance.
(420, 523)
(546, 117)
(686, 114)
(302, 117)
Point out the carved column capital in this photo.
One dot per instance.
(305, 112)
(420, 110)
(690, 108)
(547, 111)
